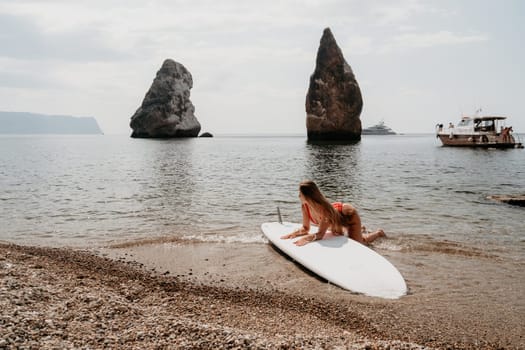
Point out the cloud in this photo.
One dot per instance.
(29, 74)
(24, 80)
(385, 13)
(422, 40)
(411, 41)
(21, 38)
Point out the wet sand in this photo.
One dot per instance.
(208, 295)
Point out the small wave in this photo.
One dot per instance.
(426, 243)
(388, 245)
(225, 239)
(195, 238)
(45, 235)
(453, 248)
(464, 192)
(146, 241)
(284, 201)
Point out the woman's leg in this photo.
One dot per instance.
(358, 232)
(370, 237)
(355, 230)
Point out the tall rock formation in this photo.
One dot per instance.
(166, 110)
(333, 102)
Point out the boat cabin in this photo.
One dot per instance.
(490, 124)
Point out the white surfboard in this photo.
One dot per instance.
(341, 261)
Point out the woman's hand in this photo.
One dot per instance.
(305, 240)
(299, 232)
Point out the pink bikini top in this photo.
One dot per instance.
(337, 206)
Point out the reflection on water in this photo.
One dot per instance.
(168, 181)
(335, 169)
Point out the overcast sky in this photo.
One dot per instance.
(417, 62)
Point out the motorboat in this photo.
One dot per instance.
(479, 131)
(378, 129)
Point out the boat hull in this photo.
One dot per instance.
(367, 132)
(478, 141)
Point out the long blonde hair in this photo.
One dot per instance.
(320, 204)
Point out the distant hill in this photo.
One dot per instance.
(33, 123)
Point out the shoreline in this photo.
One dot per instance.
(156, 295)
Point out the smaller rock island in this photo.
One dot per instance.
(166, 111)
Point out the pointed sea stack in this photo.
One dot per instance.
(166, 110)
(333, 102)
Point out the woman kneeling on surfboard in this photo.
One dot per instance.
(337, 217)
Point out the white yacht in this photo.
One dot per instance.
(479, 131)
(378, 129)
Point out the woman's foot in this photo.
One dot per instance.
(370, 237)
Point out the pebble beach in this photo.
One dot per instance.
(67, 298)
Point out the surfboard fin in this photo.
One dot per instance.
(279, 215)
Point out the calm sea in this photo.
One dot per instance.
(97, 190)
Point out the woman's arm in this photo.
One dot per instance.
(304, 229)
(306, 218)
(316, 236)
